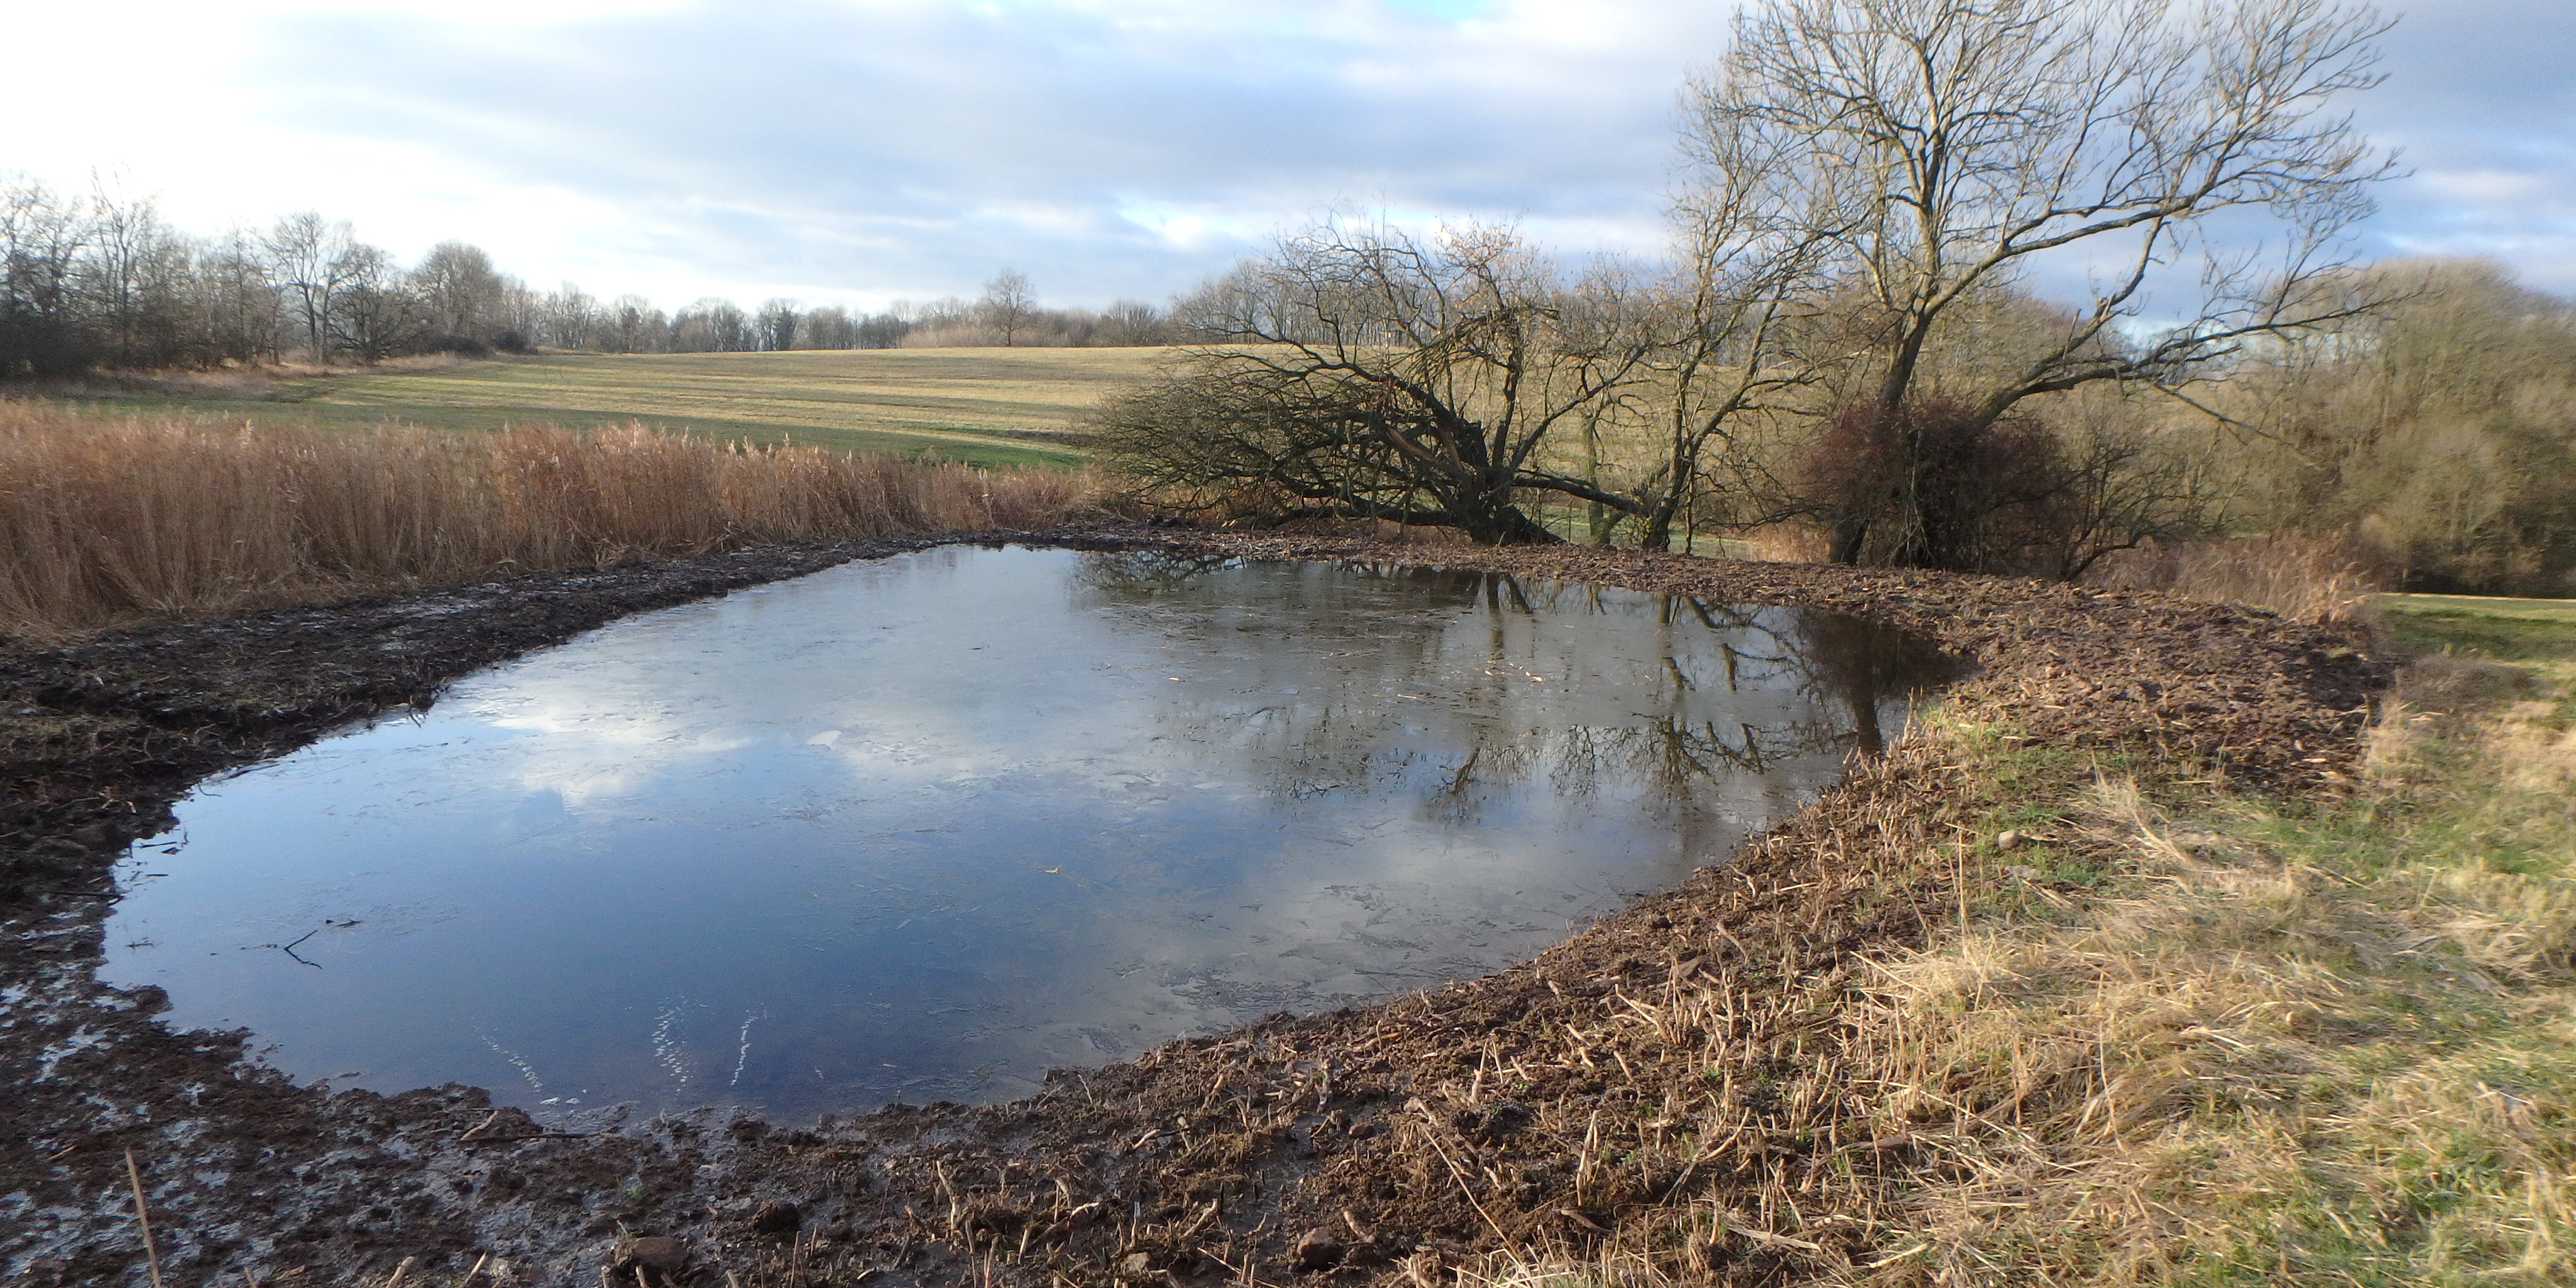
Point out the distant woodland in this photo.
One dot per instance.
(100, 281)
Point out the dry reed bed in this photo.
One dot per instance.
(112, 520)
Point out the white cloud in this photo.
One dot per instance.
(862, 150)
(2484, 185)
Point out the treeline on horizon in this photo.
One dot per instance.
(103, 282)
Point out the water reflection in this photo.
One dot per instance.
(926, 827)
(1852, 669)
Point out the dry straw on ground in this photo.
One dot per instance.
(2307, 578)
(110, 520)
(2271, 1043)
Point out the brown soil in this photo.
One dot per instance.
(1555, 1104)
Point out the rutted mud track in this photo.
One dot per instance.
(1669, 1066)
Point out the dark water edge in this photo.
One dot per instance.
(921, 829)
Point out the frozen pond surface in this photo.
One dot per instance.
(922, 828)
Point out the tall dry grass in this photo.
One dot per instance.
(2310, 578)
(113, 520)
(1791, 541)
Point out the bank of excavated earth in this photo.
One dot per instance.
(1667, 1078)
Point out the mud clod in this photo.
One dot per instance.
(502, 1125)
(1495, 1124)
(1318, 1249)
(774, 1219)
(657, 1255)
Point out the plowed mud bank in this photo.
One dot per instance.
(1669, 1076)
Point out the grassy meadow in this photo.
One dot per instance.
(2481, 624)
(986, 406)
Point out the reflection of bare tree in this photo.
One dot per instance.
(1140, 573)
(1853, 662)
(1866, 664)
(1849, 661)
(1422, 683)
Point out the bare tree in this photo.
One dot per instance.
(302, 248)
(1133, 323)
(711, 325)
(881, 330)
(128, 263)
(2439, 431)
(101, 280)
(2123, 488)
(568, 318)
(1940, 146)
(1359, 372)
(635, 326)
(775, 325)
(243, 307)
(42, 330)
(1744, 316)
(829, 327)
(519, 313)
(461, 290)
(1010, 303)
(373, 312)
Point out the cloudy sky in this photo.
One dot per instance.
(860, 151)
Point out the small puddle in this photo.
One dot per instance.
(923, 828)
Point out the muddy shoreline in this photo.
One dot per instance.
(1534, 1107)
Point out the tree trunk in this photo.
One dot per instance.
(1505, 525)
(1851, 532)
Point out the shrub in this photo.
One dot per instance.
(1932, 485)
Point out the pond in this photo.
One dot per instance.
(925, 827)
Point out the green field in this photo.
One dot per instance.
(2534, 610)
(988, 406)
(2509, 630)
